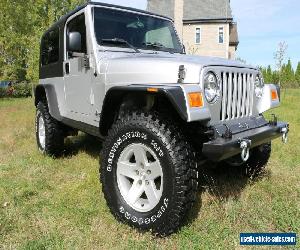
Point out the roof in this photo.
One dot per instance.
(207, 9)
(64, 18)
(194, 10)
(233, 36)
(162, 7)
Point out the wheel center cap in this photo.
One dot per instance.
(143, 175)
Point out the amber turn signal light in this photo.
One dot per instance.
(196, 100)
(274, 95)
(152, 90)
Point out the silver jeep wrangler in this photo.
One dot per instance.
(122, 75)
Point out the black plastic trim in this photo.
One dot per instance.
(86, 128)
(173, 93)
(51, 99)
(239, 125)
(222, 149)
(176, 97)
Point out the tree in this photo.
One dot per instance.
(263, 71)
(297, 75)
(280, 54)
(239, 59)
(279, 57)
(21, 27)
(268, 75)
(275, 77)
(288, 75)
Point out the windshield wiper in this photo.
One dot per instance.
(159, 46)
(155, 45)
(120, 41)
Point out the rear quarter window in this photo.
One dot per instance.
(50, 47)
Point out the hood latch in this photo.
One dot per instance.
(181, 74)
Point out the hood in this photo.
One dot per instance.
(161, 68)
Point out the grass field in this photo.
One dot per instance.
(57, 204)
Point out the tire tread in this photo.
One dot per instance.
(182, 157)
(54, 132)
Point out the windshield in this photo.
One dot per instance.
(140, 31)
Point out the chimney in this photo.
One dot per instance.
(170, 8)
(178, 17)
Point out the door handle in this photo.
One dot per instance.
(67, 68)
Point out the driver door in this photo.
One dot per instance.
(77, 76)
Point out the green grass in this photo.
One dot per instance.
(54, 204)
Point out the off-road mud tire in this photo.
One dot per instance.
(179, 166)
(54, 133)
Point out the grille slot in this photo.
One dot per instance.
(237, 95)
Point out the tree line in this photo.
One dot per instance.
(286, 76)
(22, 24)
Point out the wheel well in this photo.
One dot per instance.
(119, 101)
(39, 94)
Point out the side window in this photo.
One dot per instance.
(221, 34)
(78, 25)
(198, 36)
(50, 47)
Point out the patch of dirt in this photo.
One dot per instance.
(8, 110)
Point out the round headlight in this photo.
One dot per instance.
(211, 87)
(259, 86)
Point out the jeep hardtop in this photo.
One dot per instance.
(122, 75)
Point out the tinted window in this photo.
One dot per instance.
(50, 47)
(78, 25)
(163, 35)
(141, 31)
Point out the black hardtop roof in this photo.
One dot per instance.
(64, 18)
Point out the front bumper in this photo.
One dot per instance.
(223, 148)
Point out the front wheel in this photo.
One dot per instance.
(148, 173)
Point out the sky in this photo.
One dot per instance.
(262, 24)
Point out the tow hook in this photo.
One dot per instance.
(245, 146)
(284, 132)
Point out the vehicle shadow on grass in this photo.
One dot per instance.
(228, 182)
(82, 143)
(223, 183)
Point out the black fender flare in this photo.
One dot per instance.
(174, 94)
(48, 91)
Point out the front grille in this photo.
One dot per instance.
(237, 95)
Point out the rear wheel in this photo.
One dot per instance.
(49, 132)
(148, 173)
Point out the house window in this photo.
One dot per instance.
(198, 36)
(221, 34)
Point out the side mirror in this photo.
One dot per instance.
(74, 42)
